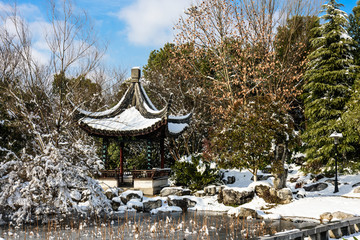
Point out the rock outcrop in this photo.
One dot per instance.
(230, 196)
(316, 187)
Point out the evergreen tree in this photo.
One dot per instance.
(354, 30)
(329, 80)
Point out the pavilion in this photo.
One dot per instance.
(134, 118)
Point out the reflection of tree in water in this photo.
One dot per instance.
(131, 225)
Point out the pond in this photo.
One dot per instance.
(190, 225)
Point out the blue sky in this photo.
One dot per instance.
(133, 28)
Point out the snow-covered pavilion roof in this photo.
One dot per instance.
(134, 115)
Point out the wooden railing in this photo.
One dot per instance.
(113, 173)
(151, 174)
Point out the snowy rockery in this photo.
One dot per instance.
(55, 182)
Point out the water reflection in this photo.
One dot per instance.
(132, 225)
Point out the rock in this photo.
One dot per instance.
(318, 177)
(178, 191)
(356, 190)
(285, 195)
(341, 215)
(200, 193)
(301, 193)
(210, 190)
(262, 177)
(131, 194)
(110, 193)
(293, 179)
(356, 185)
(327, 216)
(190, 202)
(234, 197)
(272, 195)
(267, 193)
(299, 185)
(231, 179)
(116, 203)
(135, 204)
(247, 213)
(182, 202)
(151, 204)
(332, 181)
(316, 187)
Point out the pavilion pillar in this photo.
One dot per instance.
(148, 154)
(105, 142)
(162, 153)
(121, 162)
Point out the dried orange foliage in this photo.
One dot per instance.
(237, 39)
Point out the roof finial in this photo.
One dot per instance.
(135, 74)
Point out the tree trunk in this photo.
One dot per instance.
(279, 171)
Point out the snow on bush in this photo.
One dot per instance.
(55, 182)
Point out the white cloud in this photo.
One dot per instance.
(150, 22)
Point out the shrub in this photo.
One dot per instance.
(194, 173)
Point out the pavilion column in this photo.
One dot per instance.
(121, 162)
(105, 142)
(162, 153)
(148, 154)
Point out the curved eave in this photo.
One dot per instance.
(145, 106)
(180, 119)
(120, 106)
(116, 133)
(176, 129)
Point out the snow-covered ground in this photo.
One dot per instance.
(313, 204)
(308, 206)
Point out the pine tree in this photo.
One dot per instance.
(354, 30)
(329, 80)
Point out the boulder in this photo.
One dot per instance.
(301, 193)
(285, 195)
(299, 185)
(332, 181)
(116, 203)
(200, 193)
(135, 204)
(110, 193)
(356, 190)
(261, 177)
(231, 179)
(178, 191)
(326, 217)
(231, 196)
(210, 190)
(247, 213)
(293, 179)
(341, 215)
(316, 187)
(131, 194)
(151, 204)
(318, 177)
(272, 195)
(182, 202)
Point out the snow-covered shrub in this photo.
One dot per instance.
(194, 173)
(55, 182)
